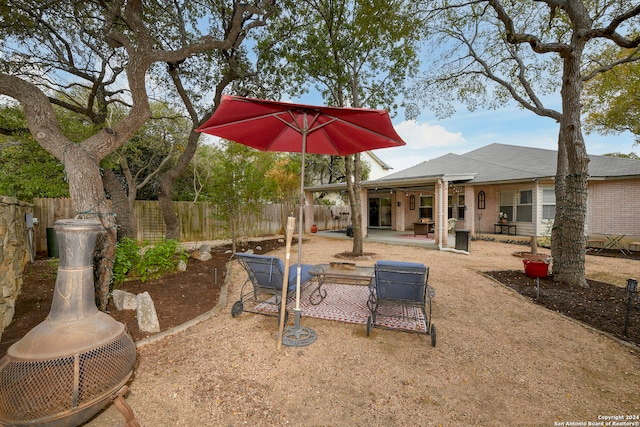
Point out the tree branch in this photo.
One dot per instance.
(632, 57)
(534, 42)
(610, 31)
(41, 118)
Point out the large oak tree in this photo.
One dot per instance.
(109, 48)
(490, 52)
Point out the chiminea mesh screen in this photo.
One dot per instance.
(36, 389)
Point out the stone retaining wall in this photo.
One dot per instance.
(14, 254)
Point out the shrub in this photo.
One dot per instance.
(157, 260)
(127, 259)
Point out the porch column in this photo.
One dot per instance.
(441, 216)
(364, 210)
(470, 209)
(400, 210)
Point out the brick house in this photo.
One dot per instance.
(474, 188)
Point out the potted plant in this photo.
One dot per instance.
(503, 217)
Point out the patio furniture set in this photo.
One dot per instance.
(612, 242)
(390, 283)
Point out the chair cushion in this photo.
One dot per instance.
(304, 275)
(393, 266)
(269, 271)
(399, 280)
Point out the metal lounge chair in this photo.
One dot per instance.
(402, 284)
(264, 282)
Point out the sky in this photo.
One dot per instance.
(428, 137)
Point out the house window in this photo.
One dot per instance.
(548, 203)
(426, 207)
(412, 203)
(481, 200)
(506, 204)
(450, 206)
(461, 206)
(524, 208)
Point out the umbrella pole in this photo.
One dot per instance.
(298, 336)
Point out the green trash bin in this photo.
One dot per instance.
(52, 243)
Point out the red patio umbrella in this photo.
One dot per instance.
(286, 127)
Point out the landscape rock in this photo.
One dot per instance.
(182, 266)
(205, 256)
(146, 313)
(123, 300)
(201, 256)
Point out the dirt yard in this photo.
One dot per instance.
(500, 359)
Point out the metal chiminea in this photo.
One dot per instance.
(68, 367)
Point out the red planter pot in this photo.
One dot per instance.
(536, 269)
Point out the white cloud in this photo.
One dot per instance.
(419, 136)
(424, 142)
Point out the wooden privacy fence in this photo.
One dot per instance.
(198, 220)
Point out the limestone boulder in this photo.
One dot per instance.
(146, 313)
(124, 300)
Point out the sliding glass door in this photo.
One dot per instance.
(380, 212)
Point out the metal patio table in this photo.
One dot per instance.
(613, 242)
(338, 273)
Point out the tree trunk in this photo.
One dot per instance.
(168, 178)
(88, 197)
(165, 205)
(353, 170)
(120, 205)
(165, 191)
(568, 241)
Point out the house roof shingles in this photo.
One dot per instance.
(502, 162)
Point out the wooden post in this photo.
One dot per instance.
(285, 280)
(534, 245)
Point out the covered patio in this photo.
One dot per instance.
(407, 238)
(391, 209)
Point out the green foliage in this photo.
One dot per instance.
(239, 181)
(357, 52)
(632, 155)
(611, 100)
(160, 259)
(27, 170)
(156, 261)
(151, 151)
(127, 259)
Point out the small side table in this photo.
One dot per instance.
(503, 227)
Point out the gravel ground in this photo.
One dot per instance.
(500, 360)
